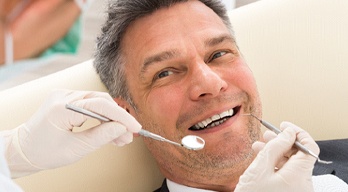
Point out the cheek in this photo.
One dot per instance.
(165, 104)
(244, 79)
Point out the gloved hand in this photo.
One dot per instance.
(279, 166)
(48, 141)
(6, 183)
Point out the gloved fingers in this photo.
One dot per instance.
(60, 97)
(110, 110)
(92, 104)
(300, 160)
(123, 139)
(274, 150)
(98, 102)
(293, 173)
(281, 158)
(76, 95)
(269, 135)
(53, 112)
(49, 129)
(302, 136)
(266, 160)
(278, 147)
(64, 96)
(258, 146)
(96, 94)
(260, 168)
(285, 158)
(102, 134)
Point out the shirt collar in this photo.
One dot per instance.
(175, 187)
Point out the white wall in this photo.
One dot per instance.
(230, 4)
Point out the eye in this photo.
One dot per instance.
(163, 74)
(218, 54)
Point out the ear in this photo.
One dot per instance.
(125, 105)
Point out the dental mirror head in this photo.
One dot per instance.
(193, 142)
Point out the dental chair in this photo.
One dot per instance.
(297, 51)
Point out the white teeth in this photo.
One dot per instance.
(207, 121)
(230, 112)
(224, 114)
(200, 124)
(215, 117)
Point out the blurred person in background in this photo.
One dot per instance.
(35, 28)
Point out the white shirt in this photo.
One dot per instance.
(175, 187)
(321, 183)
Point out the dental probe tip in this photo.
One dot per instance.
(323, 161)
(250, 114)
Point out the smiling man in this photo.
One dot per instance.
(181, 74)
(189, 78)
(175, 66)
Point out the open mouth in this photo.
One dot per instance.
(215, 120)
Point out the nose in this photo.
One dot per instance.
(205, 82)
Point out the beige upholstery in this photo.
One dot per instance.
(298, 51)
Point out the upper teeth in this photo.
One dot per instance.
(209, 120)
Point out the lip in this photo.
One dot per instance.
(225, 124)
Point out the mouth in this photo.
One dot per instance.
(215, 120)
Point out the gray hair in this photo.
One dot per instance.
(109, 62)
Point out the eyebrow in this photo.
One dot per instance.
(169, 54)
(217, 40)
(165, 55)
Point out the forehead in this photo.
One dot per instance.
(176, 27)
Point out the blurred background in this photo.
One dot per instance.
(40, 37)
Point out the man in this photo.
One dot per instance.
(176, 67)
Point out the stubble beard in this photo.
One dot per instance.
(203, 165)
(227, 163)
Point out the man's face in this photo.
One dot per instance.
(184, 70)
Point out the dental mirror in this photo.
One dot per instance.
(191, 142)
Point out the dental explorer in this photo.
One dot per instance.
(297, 143)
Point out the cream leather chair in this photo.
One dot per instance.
(298, 52)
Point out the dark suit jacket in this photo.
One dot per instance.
(336, 151)
(163, 188)
(330, 150)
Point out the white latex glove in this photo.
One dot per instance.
(47, 141)
(6, 183)
(294, 168)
